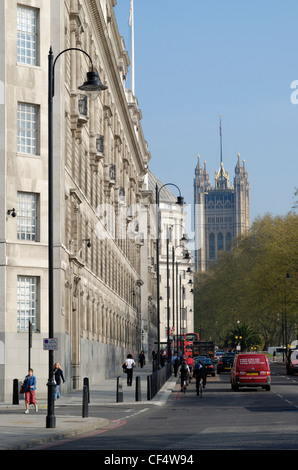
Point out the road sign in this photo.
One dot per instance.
(50, 344)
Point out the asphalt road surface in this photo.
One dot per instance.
(251, 419)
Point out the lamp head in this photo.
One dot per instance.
(93, 86)
(180, 200)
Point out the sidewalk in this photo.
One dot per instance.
(19, 431)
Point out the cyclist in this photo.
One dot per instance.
(184, 371)
(199, 373)
(189, 362)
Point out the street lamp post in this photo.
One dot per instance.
(184, 238)
(91, 86)
(168, 302)
(180, 202)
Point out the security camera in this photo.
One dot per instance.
(88, 242)
(12, 212)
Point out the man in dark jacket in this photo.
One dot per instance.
(199, 373)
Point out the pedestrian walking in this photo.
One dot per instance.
(130, 364)
(29, 387)
(142, 359)
(176, 366)
(274, 355)
(58, 374)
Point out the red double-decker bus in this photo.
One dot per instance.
(189, 338)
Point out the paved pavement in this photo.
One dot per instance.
(19, 431)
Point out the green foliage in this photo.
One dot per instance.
(244, 336)
(250, 285)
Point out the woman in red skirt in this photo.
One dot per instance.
(29, 385)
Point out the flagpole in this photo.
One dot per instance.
(220, 138)
(131, 24)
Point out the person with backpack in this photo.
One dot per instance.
(199, 373)
(184, 372)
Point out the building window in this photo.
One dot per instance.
(28, 117)
(212, 246)
(228, 242)
(27, 212)
(27, 302)
(100, 144)
(219, 242)
(27, 32)
(83, 105)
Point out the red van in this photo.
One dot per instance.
(250, 370)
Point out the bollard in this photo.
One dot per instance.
(148, 387)
(138, 389)
(86, 382)
(119, 390)
(85, 402)
(15, 393)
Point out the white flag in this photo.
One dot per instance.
(130, 13)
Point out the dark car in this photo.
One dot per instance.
(292, 363)
(225, 363)
(208, 364)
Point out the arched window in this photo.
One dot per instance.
(228, 242)
(211, 246)
(219, 242)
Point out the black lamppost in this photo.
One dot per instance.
(92, 85)
(287, 277)
(184, 238)
(186, 257)
(179, 201)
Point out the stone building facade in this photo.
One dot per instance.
(100, 162)
(175, 267)
(221, 212)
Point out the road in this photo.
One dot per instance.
(251, 419)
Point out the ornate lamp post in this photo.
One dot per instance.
(92, 87)
(180, 202)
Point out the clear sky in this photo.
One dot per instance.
(197, 59)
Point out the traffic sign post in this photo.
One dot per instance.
(50, 344)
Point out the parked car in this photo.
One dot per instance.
(250, 370)
(219, 353)
(292, 364)
(225, 363)
(218, 356)
(209, 366)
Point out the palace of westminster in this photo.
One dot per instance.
(107, 222)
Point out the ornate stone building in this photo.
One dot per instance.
(100, 162)
(176, 265)
(222, 211)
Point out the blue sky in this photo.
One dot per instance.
(197, 59)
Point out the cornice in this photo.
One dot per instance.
(114, 79)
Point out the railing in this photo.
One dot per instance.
(156, 380)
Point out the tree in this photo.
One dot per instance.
(255, 283)
(244, 336)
